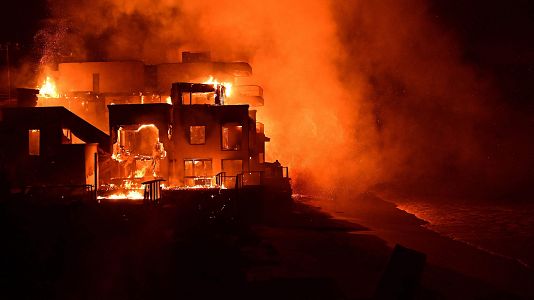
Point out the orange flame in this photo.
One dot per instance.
(215, 83)
(48, 88)
(132, 195)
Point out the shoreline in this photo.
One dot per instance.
(468, 243)
(396, 226)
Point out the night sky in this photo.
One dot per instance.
(498, 38)
(21, 19)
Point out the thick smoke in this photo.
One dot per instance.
(441, 127)
(359, 94)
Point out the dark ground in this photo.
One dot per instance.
(125, 251)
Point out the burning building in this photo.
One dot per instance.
(115, 125)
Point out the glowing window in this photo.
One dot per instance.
(231, 136)
(197, 172)
(139, 139)
(198, 167)
(197, 135)
(232, 167)
(34, 141)
(66, 138)
(198, 98)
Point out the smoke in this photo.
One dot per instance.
(359, 94)
(441, 126)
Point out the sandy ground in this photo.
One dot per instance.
(455, 269)
(294, 252)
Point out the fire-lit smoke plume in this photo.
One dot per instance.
(440, 126)
(358, 93)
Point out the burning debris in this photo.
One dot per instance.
(139, 151)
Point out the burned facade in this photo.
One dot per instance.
(189, 124)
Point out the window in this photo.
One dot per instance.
(232, 167)
(34, 141)
(70, 138)
(138, 146)
(66, 138)
(139, 139)
(231, 136)
(197, 135)
(198, 172)
(198, 98)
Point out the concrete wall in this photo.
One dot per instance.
(213, 117)
(114, 77)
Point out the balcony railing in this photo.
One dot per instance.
(252, 178)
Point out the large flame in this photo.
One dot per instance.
(215, 83)
(48, 88)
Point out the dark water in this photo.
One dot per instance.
(503, 229)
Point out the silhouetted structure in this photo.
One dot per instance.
(402, 275)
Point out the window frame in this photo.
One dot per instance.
(239, 145)
(194, 176)
(31, 146)
(229, 159)
(190, 135)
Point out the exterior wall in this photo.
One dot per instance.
(114, 77)
(89, 108)
(213, 117)
(167, 74)
(179, 118)
(129, 76)
(57, 163)
(89, 153)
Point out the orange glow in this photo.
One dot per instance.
(48, 89)
(140, 173)
(131, 195)
(215, 83)
(120, 155)
(146, 126)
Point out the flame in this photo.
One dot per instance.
(215, 83)
(48, 88)
(168, 100)
(140, 173)
(131, 195)
(130, 185)
(146, 126)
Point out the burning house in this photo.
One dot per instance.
(112, 126)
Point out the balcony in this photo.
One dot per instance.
(247, 94)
